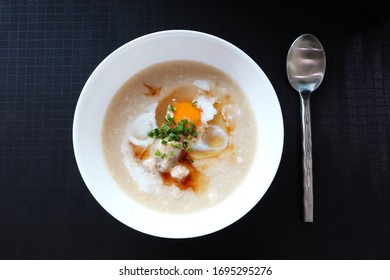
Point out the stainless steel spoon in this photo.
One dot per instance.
(305, 70)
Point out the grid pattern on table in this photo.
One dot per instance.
(49, 48)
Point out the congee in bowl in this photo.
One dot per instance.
(178, 134)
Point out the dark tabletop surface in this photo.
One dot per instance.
(48, 49)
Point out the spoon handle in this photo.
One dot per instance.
(307, 157)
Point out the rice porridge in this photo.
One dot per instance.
(179, 136)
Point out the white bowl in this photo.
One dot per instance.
(138, 54)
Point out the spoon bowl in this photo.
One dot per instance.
(306, 65)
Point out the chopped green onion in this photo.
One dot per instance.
(175, 145)
(179, 128)
(177, 134)
(174, 136)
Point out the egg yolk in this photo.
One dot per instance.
(185, 110)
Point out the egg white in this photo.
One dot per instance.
(206, 106)
(212, 132)
(137, 131)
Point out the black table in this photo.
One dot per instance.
(48, 49)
